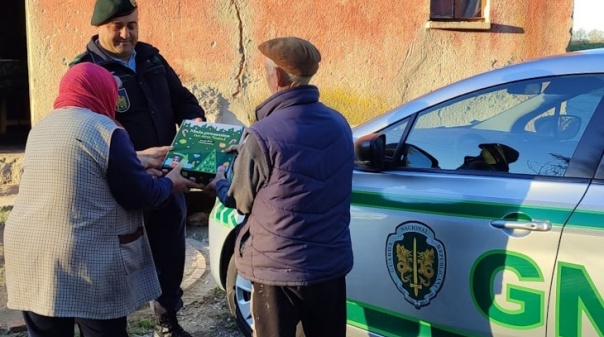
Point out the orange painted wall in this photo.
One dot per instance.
(376, 54)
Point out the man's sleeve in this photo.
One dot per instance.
(250, 173)
(184, 104)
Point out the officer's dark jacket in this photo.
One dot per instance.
(152, 101)
(297, 232)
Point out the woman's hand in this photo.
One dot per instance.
(180, 183)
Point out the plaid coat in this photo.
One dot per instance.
(70, 249)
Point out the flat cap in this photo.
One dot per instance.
(105, 10)
(292, 54)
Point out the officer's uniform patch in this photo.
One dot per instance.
(123, 101)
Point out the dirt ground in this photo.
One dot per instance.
(205, 313)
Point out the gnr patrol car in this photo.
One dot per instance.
(477, 210)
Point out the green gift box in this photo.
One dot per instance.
(201, 145)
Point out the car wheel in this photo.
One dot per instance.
(239, 294)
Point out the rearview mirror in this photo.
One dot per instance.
(524, 89)
(561, 127)
(370, 151)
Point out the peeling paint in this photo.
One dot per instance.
(241, 48)
(413, 60)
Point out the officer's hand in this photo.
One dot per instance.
(153, 157)
(181, 184)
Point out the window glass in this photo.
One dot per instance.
(456, 9)
(523, 128)
(393, 134)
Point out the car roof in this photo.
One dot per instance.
(578, 62)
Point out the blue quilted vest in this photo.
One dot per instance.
(297, 232)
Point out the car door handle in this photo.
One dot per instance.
(534, 225)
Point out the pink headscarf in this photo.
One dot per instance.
(87, 85)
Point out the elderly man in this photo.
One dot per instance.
(293, 180)
(151, 102)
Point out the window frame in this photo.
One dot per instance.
(460, 23)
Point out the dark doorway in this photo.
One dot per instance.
(15, 120)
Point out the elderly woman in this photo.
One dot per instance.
(75, 246)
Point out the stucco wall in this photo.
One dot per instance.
(376, 54)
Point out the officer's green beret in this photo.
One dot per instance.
(105, 10)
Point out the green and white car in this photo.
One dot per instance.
(477, 210)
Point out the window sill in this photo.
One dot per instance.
(459, 25)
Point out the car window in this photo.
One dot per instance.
(530, 127)
(393, 135)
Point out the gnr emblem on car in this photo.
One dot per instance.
(416, 261)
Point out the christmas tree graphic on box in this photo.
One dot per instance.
(201, 145)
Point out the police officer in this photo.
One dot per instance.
(151, 102)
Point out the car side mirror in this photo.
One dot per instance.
(370, 151)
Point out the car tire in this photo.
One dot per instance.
(238, 291)
(239, 295)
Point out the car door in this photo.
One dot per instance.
(458, 235)
(577, 305)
